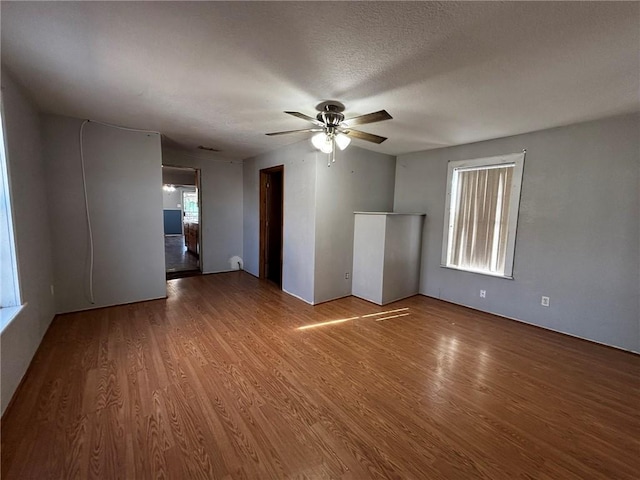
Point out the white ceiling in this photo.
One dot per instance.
(222, 73)
(178, 175)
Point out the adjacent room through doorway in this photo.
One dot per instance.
(181, 209)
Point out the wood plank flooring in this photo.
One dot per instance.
(219, 382)
(177, 257)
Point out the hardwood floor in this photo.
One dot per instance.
(177, 257)
(218, 381)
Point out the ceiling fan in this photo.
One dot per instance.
(332, 128)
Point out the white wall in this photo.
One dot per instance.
(20, 339)
(386, 255)
(173, 200)
(402, 249)
(359, 180)
(578, 235)
(124, 179)
(299, 162)
(319, 202)
(173, 177)
(368, 261)
(221, 208)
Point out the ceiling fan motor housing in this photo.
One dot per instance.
(330, 113)
(331, 119)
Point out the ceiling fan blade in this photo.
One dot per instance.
(306, 117)
(368, 118)
(295, 131)
(369, 137)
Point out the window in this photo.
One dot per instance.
(481, 214)
(190, 203)
(9, 290)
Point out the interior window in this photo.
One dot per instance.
(483, 198)
(9, 287)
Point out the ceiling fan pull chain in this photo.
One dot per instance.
(333, 149)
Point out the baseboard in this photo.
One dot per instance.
(251, 273)
(224, 271)
(577, 337)
(332, 299)
(296, 296)
(26, 372)
(114, 305)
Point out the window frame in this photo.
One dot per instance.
(189, 214)
(10, 298)
(517, 159)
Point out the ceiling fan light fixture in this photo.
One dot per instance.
(322, 142)
(342, 141)
(318, 139)
(334, 131)
(327, 147)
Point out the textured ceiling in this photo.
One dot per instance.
(222, 73)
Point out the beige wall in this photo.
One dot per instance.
(28, 183)
(299, 162)
(359, 180)
(124, 190)
(220, 209)
(577, 239)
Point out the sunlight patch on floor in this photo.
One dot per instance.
(391, 316)
(369, 315)
(331, 322)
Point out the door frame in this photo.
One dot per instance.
(264, 176)
(198, 182)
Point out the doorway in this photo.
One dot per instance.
(271, 222)
(182, 213)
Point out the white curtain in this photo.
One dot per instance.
(480, 218)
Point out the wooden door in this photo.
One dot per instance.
(271, 223)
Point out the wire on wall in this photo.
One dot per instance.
(86, 197)
(86, 208)
(124, 128)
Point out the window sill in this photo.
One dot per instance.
(7, 314)
(478, 272)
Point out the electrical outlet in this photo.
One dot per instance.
(346, 276)
(545, 301)
(483, 294)
(52, 293)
